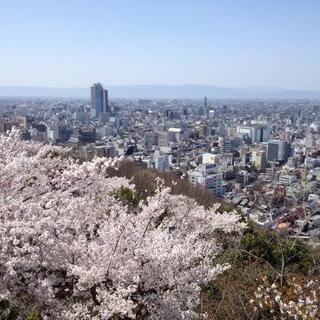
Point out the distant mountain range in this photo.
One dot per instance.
(164, 91)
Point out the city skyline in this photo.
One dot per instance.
(229, 44)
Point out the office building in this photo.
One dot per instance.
(242, 178)
(259, 159)
(206, 177)
(287, 179)
(176, 135)
(99, 100)
(161, 161)
(278, 151)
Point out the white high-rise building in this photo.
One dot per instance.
(206, 177)
(161, 161)
(257, 131)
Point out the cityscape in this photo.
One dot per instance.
(262, 156)
(159, 160)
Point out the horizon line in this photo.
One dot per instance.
(160, 85)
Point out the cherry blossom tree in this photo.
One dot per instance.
(71, 249)
(298, 299)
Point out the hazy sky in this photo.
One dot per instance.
(223, 43)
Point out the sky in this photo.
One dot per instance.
(239, 43)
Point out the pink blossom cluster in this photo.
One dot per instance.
(72, 250)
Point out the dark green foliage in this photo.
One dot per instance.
(35, 315)
(270, 247)
(7, 312)
(212, 291)
(127, 196)
(51, 154)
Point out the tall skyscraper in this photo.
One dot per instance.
(99, 100)
(206, 106)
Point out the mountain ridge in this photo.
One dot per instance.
(188, 91)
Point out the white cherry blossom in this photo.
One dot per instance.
(72, 250)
